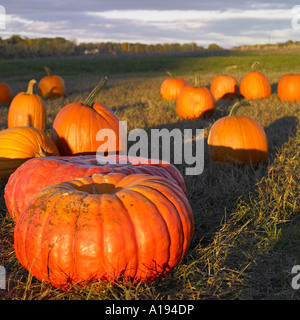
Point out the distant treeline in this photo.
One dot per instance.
(18, 47)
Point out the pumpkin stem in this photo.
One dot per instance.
(48, 71)
(228, 68)
(92, 96)
(42, 153)
(30, 86)
(254, 65)
(236, 106)
(197, 81)
(170, 74)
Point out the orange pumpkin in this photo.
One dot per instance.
(5, 93)
(288, 88)
(19, 144)
(171, 88)
(51, 86)
(224, 87)
(237, 139)
(76, 125)
(104, 227)
(195, 102)
(255, 85)
(27, 109)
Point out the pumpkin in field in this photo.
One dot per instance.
(288, 88)
(237, 139)
(20, 144)
(51, 86)
(76, 125)
(104, 227)
(27, 109)
(26, 181)
(5, 93)
(195, 102)
(224, 87)
(171, 87)
(255, 85)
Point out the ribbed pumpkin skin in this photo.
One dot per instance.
(288, 88)
(194, 103)
(20, 144)
(51, 87)
(5, 93)
(76, 126)
(255, 85)
(26, 181)
(104, 227)
(238, 140)
(27, 110)
(224, 87)
(171, 88)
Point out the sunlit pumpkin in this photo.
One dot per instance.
(76, 125)
(26, 181)
(288, 88)
(237, 139)
(255, 85)
(104, 227)
(20, 144)
(5, 93)
(171, 88)
(195, 102)
(27, 109)
(224, 87)
(51, 86)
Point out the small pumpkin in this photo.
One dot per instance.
(51, 86)
(288, 88)
(76, 125)
(171, 87)
(255, 85)
(5, 93)
(224, 87)
(111, 227)
(237, 139)
(195, 102)
(27, 109)
(20, 144)
(26, 181)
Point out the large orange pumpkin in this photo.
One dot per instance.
(195, 102)
(104, 227)
(51, 86)
(171, 88)
(26, 181)
(76, 125)
(237, 139)
(255, 85)
(5, 93)
(27, 109)
(288, 88)
(224, 87)
(20, 144)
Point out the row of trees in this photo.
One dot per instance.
(18, 47)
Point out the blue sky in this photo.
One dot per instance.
(228, 24)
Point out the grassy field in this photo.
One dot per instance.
(247, 220)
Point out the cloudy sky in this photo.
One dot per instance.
(227, 23)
